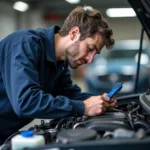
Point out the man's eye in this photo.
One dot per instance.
(91, 49)
(98, 53)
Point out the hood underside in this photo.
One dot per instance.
(142, 9)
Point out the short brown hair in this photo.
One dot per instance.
(89, 21)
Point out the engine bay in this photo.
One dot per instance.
(129, 121)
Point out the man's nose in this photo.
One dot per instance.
(90, 58)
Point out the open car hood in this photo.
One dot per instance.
(142, 9)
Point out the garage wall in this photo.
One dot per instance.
(11, 20)
(7, 19)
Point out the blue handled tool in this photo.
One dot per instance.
(114, 90)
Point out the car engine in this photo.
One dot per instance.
(127, 121)
(130, 120)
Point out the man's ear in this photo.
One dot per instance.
(74, 33)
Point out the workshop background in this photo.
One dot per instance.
(15, 15)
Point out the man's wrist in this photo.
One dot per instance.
(85, 107)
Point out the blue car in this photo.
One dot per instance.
(119, 65)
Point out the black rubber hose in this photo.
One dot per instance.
(141, 123)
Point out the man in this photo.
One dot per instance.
(35, 80)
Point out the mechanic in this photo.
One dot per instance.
(35, 80)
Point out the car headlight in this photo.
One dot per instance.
(128, 70)
(144, 59)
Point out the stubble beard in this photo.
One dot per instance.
(72, 53)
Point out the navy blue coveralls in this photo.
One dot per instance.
(32, 83)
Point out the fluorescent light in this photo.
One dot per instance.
(20, 6)
(120, 12)
(73, 1)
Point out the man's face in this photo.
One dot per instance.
(82, 52)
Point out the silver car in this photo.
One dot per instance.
(119, 65)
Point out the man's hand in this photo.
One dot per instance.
(97, 105)
(112, 102)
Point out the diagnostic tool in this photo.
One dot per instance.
(115, 90)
